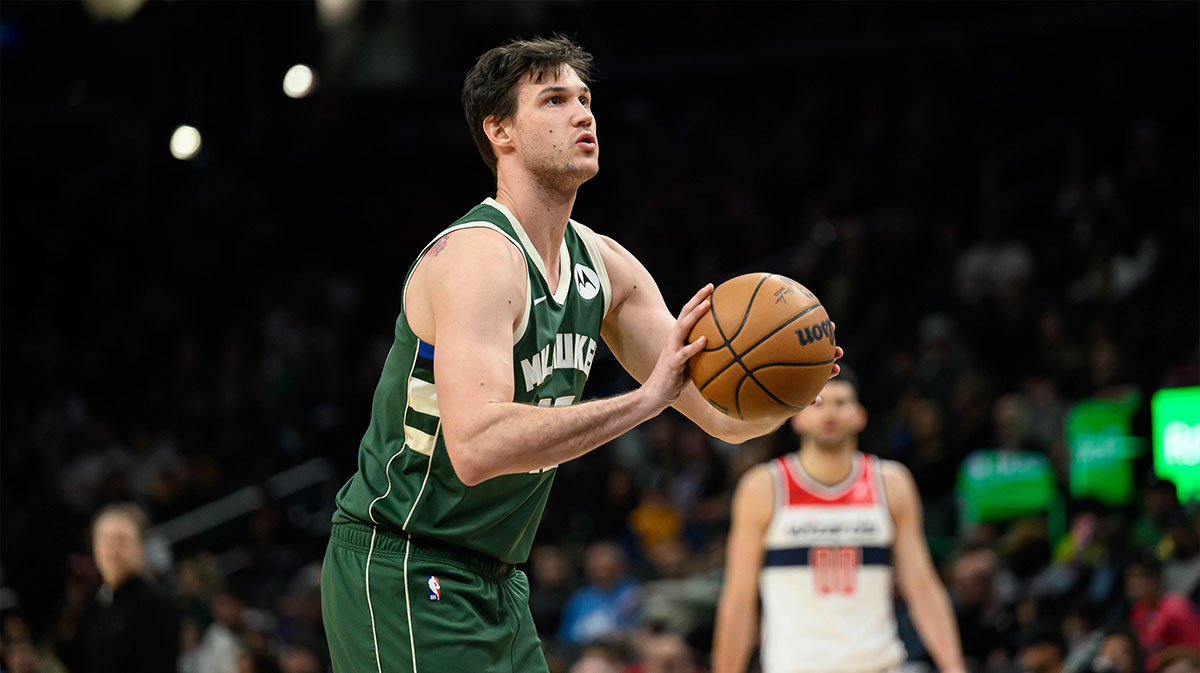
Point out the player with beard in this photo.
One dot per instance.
(819, 535)
(478, 401)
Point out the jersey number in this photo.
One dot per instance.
(835, 569)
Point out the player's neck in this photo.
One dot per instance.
(828, 465)
(542, 211)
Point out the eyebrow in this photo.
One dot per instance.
(560, 89)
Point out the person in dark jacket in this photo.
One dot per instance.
(135, 626)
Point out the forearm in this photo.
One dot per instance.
(726, 428)
(512, 438)
(934, 618)
(735, 627)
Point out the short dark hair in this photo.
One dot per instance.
(491, 85)
(128, 510)
(847, 376)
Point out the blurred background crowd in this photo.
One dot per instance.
(996, 203)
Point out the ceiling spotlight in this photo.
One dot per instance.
(185, 142)
(298, 82)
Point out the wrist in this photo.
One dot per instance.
(647, 404)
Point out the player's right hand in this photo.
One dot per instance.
(666, 382)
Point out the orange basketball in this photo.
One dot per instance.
(770, 347)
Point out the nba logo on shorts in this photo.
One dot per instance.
(435, 589)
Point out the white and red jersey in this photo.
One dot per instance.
(826, 581)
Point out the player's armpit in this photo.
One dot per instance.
(737, 609)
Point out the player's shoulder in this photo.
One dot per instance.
(755, 491)
(892, 469)
(473, 243)
(758, 474)
(899, 485)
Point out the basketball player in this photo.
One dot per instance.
(478, 400)
(817, 534)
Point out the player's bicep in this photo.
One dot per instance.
(476, 290)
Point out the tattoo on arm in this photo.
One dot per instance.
(440, 245)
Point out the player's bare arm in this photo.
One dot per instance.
(635, 326)
(737, 609)
(915, 575)
(465, 297)
(639, 322)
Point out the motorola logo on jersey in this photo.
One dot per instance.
(586, 281)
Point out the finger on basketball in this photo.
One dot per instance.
(687, 321)
(695, 347)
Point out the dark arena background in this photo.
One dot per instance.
(997, 204)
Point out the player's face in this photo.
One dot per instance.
(833, 420)
(117, 546)
(554, 129)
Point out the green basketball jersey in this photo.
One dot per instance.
(405, 481)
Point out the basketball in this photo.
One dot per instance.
(770, 347)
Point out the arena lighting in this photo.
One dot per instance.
(185, 142)
(298, 82)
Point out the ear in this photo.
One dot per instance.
(497, 131)
(860, 418)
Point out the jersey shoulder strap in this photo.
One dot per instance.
(593, 251)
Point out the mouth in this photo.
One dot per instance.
(586, 140)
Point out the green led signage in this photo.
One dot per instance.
(1175, 415)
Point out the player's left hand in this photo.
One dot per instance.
(837, 369)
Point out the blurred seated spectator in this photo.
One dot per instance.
(1161, 619)
(663, 652)
(135, 625)
(302, 656)
(607, 606)
(1181, 572)
(549, 587)
(1041, 648)
(219, 646)
(655, 519)
(984, 620)
(1178, 659)
(597, 659)
(985, 268)
(1081, 635)
(1160, 503)
(1119, 652)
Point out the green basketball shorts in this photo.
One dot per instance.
(393, 604)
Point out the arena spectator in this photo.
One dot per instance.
(135, 626)
(1181, 572)
(1161, 619)
(1041, 648)
(663, 652)
(607, 605)
(1118, 652)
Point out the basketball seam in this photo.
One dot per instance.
(792, 364)
(745, 315)
(717, 323)
(737, 358)
(737, 392)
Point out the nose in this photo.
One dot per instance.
(583, 115)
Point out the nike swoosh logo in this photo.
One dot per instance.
(539, 300)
